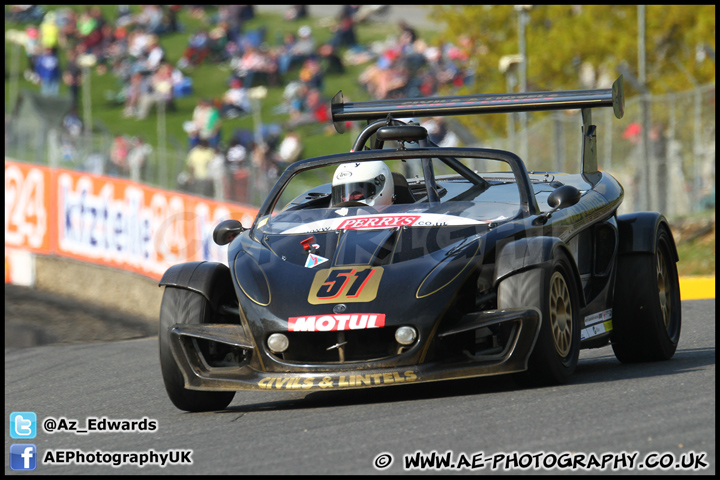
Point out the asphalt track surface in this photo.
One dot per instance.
(661, 411)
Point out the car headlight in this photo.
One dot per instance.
(278, 343)
(405, 335)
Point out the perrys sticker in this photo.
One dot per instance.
(333, 323)
(378, 221)
(370, 222)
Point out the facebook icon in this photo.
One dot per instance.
(23, 456)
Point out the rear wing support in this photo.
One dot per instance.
(585, 100)
(589, 145)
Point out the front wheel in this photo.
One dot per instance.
(553, 292)
(185, 307)
(646, 313)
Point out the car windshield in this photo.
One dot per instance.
(467, 191)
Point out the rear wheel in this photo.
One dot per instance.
(553, 292)
(185, 307)
(647, 314)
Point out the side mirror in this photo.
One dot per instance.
(564, 197)
(226, 231)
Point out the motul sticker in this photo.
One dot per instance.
(332, 323)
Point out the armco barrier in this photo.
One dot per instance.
(109, 221)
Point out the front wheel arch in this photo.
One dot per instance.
(551, 289)
(182, 306)
(535, 252)
(212, 280)
(194, 294)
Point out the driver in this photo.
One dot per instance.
(368, 182)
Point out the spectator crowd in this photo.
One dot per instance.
(130, 47)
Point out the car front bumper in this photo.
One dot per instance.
(200, 375)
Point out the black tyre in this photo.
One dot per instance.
(553, 292)
(187, 307)
(647, 314)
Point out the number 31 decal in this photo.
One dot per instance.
(345, 284)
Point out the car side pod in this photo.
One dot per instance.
(525, 324)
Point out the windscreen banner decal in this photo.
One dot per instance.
(378, 221)
(371, 222)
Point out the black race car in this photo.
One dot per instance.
(403, 262)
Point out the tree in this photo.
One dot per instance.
(567, 45)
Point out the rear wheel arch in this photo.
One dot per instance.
(638, 231)
(647, 310)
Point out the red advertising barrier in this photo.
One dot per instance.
(110, 221)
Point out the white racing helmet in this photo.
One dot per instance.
(368, 182)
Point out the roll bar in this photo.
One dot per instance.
(585, 100)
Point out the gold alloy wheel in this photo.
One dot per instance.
(560, 314)
(663, 282)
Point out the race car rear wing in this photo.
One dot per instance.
(478, 104)
(490, 103)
